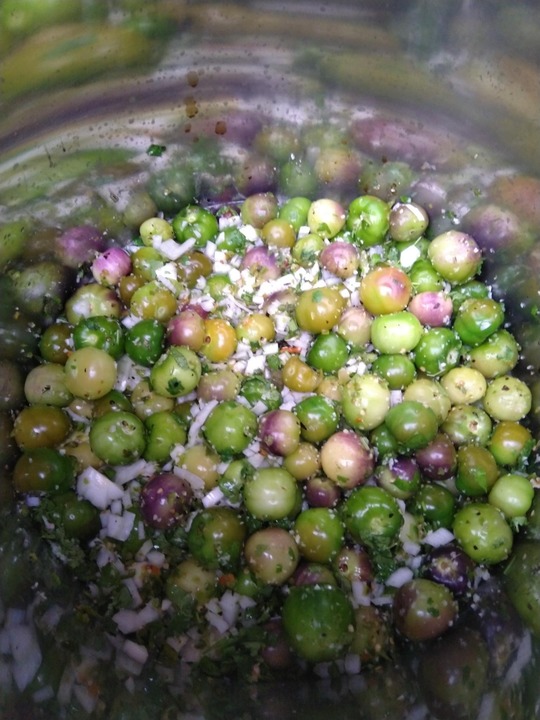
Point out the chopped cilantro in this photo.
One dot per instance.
(273, 362)
(155, 150)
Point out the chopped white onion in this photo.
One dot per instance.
(156, 558)
(258, 461)
(135, 651)
(130, 621)
(382, 599)
(360, 592)
(255, 364)
(196, 482)
(246, 602)
(191, 653)
(217, 621)
(43, 694)
(130, 685)
(125, 473)
(229, 607)
(259, 408)
(65, 688)
(97, 488)
(214, 497)
(26, 654)
(521, 660)
(119, 527)
(199, 420)
(249, 232)
(186, 246)
(33, 501)
(104, 557)
(411, 548)
(168, 276)
(129, 321)
(352, 664)
(15, 616)
(87, 699)
(439, 537)
(271, 349)
(409, 256)
(51, 617)
(128, 374)
(131, 584)
(226, 221)
(396, 396)
(145, 548)
(487, 707)
(399, 577)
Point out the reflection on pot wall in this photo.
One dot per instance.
(111, 112)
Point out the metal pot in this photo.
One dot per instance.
(107, 109)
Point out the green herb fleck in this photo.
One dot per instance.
(273, 362)
(156, 150)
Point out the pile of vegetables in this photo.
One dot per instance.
(278, 435)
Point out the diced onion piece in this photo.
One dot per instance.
(271, 349)
(439, 537)
(196, 482)
(15, 616)
(128, 374)
(87, 699)
(360, 592)
(229, 607)
(33, 501)
(168, 276)
(191, 653)
(249, 232)
(129, 321)
(396, 396)
(382, 600)
(244, 601)
(65, 687)
(97, 488)
(487, 706)
(43, 694)
(51, 617)
(135, 651)
(26, 654)
(217, 621)
(181, 249)
(130, 621)
(411, 548)
(351, 664)
(259, 408)
(125, 473)
(156, 558)
(119, 527)
(255, 364)
(409, 256)
(116, 507)
(145, 548)
(214, 497)
(521, 660)
(199, 420)
(399, 577)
